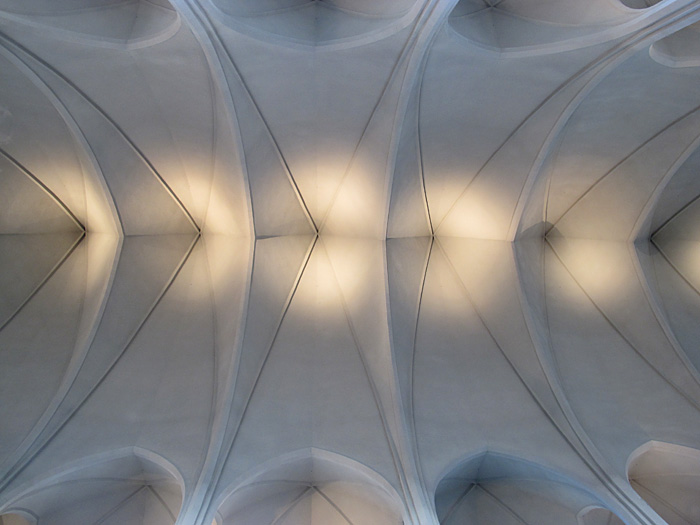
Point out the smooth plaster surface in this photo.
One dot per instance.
(349, 262)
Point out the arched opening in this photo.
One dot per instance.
(312, 488)
(533, 26)
(680, 49)
(494, 488)
(598, 516)
(133, 488)
(313, 23)
(639, 4)
(667, 477)
(115, 23)
(12, 518)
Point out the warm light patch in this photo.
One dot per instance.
(323, 293)
(338, 270)
(216, 207)
(602, 268)
(358, 267)
(358, 208)
(100, 214)
(102, 257)
(318, 180)
(221, 217)
(474, 215)
(102, 249)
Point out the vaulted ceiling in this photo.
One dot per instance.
(349, 261)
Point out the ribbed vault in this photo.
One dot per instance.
(311, 262)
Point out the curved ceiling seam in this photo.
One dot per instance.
(695, 404)
(130, 143)
(604, 61)
(97, 165)
(397, 24)
(65, 470)
(215, 37)
(501, 504)
(458, 502)
(71, 10)
(544, 152)
(30, 454)
(666, 222)
(111, 512)
(24, 512)
(72, 371)
(160, 500)
(333, 504)
(292, 505)
(207, 470)
(127, 481)
(399, 118)
(231, 432)
(429, 22)
(659, 187)
(41, 284)
(85, 39)
(541, 406)
(414, 53)
(613, 58)
(104, 478)
(130, 32)
(646, 215)
(657, 308)
(403, 57)
(421, 161)
(412, 413)
(281, 157)
(336, 7)
(271, 11)
(43, 187)
(231, 428)
(597, 463)
(609, 33)
(503, 353)
(521, 16)
(665, 31)
(381, 409)
(213, 419)
(476, 12)
(676, 269)
(668, 505)
(524, 311)
(345, 469)
(215, 126)
(72, 126)
(515, 130)
(177, 151)
(404, 415)
(116, 507)
(604, 65)
(287, 304)
(405, 438)
(201, 29)
(105, 4)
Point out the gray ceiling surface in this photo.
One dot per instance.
(366, 262)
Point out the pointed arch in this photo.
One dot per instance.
(311, 486)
